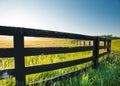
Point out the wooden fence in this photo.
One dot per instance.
(19, 52)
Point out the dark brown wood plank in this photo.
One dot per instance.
(9, 52)
(102, 54)
(95, 52)
(49, 67)
(103, 47)
(5, 30)
(6, 52)
(102, 39)
(55, 50)
(19, 59)
(55, 34)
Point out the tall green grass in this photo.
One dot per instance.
(107, 74)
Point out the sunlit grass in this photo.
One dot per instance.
(107, 74)
(115, 45)
(6, 63)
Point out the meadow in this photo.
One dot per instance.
(46, 59)
(107, 74)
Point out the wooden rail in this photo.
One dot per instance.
(19, 52)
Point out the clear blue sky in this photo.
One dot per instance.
(89, 17)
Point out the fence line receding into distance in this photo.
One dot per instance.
(19, 52)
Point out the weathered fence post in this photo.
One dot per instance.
(84, 43)
(89, 43)
(80, 43)
(109, 47)
(104, 43)
(19, 58)
(95, 52)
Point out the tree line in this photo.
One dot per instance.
(110, 37)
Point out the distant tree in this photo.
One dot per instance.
(109, 37)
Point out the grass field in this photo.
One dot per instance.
(107, 74)
(41, 59)
(115, 45)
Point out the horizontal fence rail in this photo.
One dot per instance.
(49, 67)
(19, 52)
